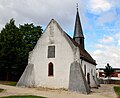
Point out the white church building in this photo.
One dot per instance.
(58, 61)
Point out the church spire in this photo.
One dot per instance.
(78, 33)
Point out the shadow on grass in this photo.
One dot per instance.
(25, 96)
(1, 90)
(10, 83)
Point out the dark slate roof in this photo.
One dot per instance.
(83, 53)
(78, 28)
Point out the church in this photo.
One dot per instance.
(59, 61)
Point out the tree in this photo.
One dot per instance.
(10, 39)
(15, 44)
(30, 36)
(108, 70)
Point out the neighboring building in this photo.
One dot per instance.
(58, 61)
(101, 74)
(113, 79)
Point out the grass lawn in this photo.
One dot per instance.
(1, 90)
(117, 90)
(10, 83)
(25, 96)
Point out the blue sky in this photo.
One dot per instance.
(100, 21)
(104, 18)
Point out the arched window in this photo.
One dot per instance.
(50, 69)
(85, 70)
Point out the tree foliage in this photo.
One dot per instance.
(15, 44)
(108, 70)
(31, 34)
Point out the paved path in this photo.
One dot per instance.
(105, 91)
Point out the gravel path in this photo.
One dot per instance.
(105, 91)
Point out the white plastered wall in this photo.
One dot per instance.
(91, 69)
(64, 56)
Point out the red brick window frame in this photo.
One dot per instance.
(50, 69)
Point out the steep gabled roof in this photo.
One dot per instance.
(78, 27)
(83, 53)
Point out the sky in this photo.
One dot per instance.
(100, 21)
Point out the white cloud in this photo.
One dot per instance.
(108, 51)
(110, 54)
(98, 52)
(116, 3)
(98, 6)
(107, 39)
(118, 38)
(118, 35)
(107, 17)
(119, 42)
(100, 46)
(39, 12)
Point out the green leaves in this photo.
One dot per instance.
(15, 44)
(31, 34)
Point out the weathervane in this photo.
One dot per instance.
(77, 6)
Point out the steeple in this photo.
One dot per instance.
(78, 33)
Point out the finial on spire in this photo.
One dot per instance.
(78, 33)
(77, 6)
